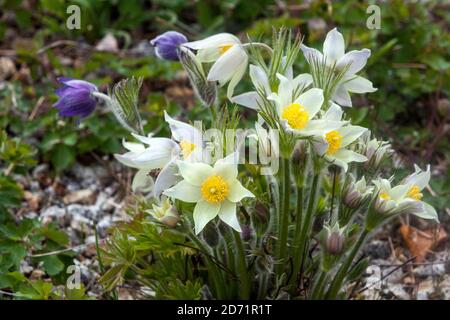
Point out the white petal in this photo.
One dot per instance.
(285, 91)
(213, 41)
(195, 173)
(126, 159)
(355, 59)
(228, 215)
(350, 134)
(359, 85)
(334, 113)
(319, 127)
(334, 45)
(399, 192)
(166, 178)
(184, 191)
(312, 101)
(320, 145)
(342, 97)
(303, 80)
(239, 73)
(142, 182)
(153, 158)
(259, 79)
(419, 179)
(250, 100)
(133, 146)
(428, 212)
(344, 156)
(238, 192)
(183, 131)
(225, 67)
(311, 54)
(204, 212)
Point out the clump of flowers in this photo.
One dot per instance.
(252, 232)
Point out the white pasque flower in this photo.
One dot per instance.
(334, 55)
(297, 111)
(161, 153)
(260, 80)
(406, 195)
(215, 190)
(332, 144)
(229, 57)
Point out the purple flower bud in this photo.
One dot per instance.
(75, 98)
(167, 43)
(335, 243)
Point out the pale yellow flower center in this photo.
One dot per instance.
(414, 193)
(334, 140)
(296, 116)
(385, 196)
(224, 48)
(215, 189)
(186, 148)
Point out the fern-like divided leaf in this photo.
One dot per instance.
(124, 104)
(205, 90)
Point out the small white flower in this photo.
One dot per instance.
(298, 112)
(215, 190)
(229, 57)
(334, 55)
(161, 153)
(332, 144)
(406, 194)
(260, 80)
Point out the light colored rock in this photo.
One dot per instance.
(398, 291)
(437, 269)
(85, 196)
(425, 289)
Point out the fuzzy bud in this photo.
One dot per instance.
(166, 213)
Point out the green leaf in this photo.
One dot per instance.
(62, 157)
(52, 265)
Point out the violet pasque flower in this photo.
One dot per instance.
(166, 45)
(75, 98)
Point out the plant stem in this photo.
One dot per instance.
(316, 291)
(342, 272)
(300, 241)
(214, 272)
(242, 267)
(283, 217)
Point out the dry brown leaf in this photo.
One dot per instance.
(419, 242)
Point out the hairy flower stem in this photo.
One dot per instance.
(213, 270)
(318, 286)
(242, 267)
(300, 241)
(343, 270)
(283, 217)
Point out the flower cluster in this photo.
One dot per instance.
(328, 166)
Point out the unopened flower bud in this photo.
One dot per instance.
(355, 193)
(333, 239)
(166, 213)
(335, 243)
(166, 45)
(247, 232)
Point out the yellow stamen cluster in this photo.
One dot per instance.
(414, 193)
(186, 148)
(224, 48)
(385, 196)
(296, 116)
(334, 140)
(215, 189)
